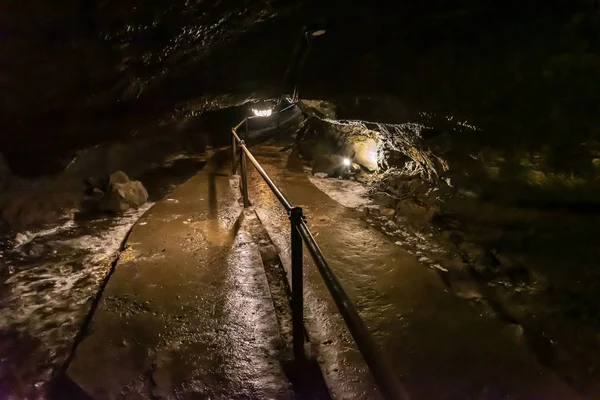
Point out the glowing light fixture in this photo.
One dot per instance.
(347, 162)
(318, 32)
(262, 113)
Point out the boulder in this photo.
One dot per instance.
(118, 177)
(388, 212)
(365, 153)
(123, 193)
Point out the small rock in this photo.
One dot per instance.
(465, 289)
(439, 267)
(268, 252)
(388, 212)
(321, 175)
(468, 193)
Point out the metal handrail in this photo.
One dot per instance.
(284, 202)
(385, 379)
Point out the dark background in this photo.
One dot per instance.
(75, 73)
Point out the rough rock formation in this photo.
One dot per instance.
(364, 151)
(123, 193)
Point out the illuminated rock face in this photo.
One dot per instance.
(365, 153)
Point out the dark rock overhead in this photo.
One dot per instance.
(76, 73)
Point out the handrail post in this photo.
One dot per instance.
(385, 378)
(244, 169)
(233, 154)
(296, 218)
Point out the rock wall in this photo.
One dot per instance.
(29, 203)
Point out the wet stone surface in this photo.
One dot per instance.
(50, 281)
(438, 343)
(187, 311)
(51, 275)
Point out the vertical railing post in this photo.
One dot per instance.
(296, 219)
(244, 169)
(233, 154)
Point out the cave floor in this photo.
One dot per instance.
(441, 346)
(188, 313)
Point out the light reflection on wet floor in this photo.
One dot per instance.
(191, 304)
(187, 311)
